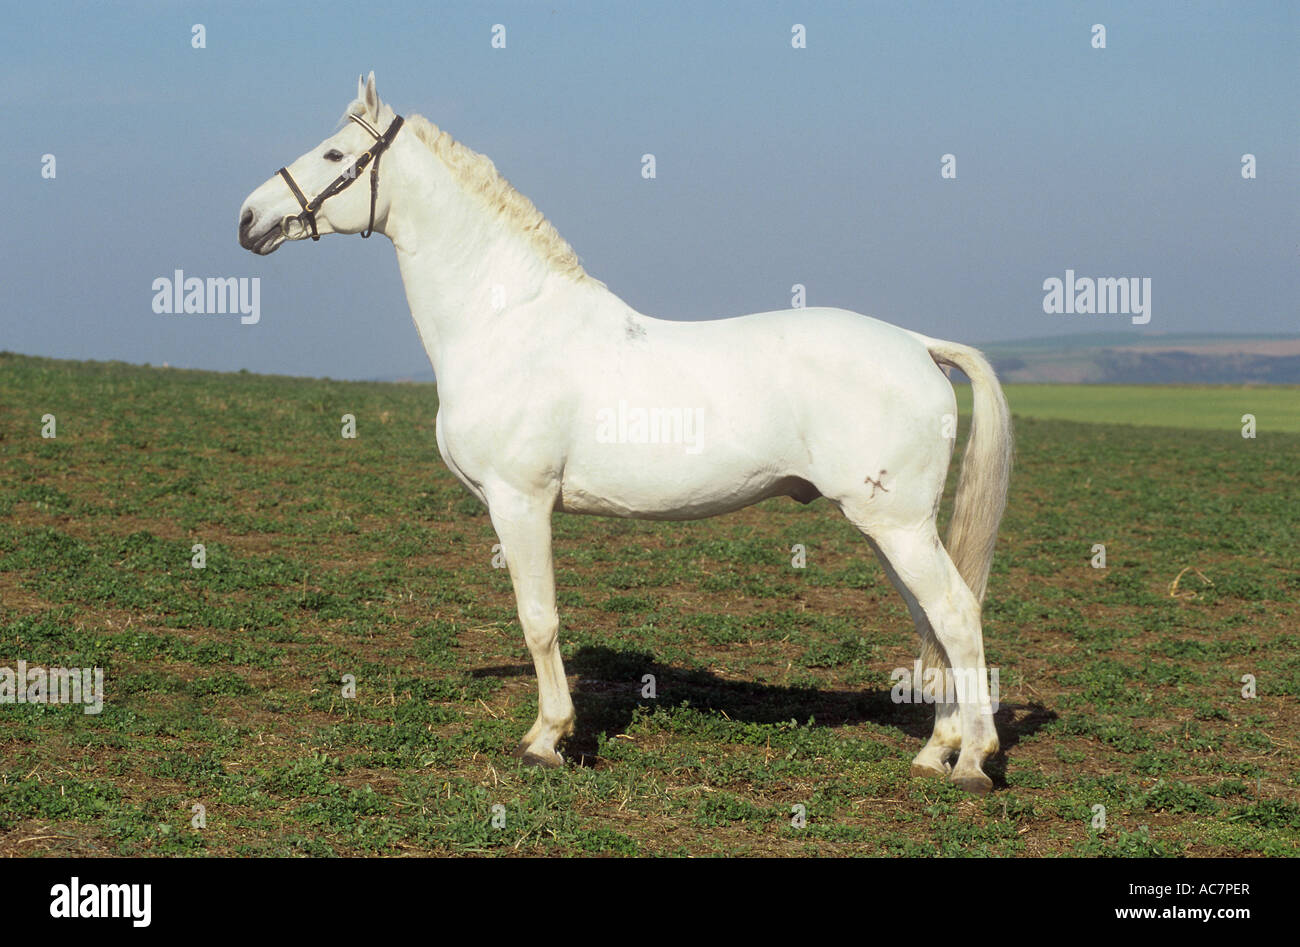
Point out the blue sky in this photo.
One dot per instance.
(775, 166)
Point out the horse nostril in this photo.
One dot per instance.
(246, 221)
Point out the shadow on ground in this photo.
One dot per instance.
(609, 686)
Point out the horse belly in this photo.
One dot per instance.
(659, 482)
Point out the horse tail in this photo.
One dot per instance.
(985, 467)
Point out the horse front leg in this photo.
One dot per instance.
(523, 524)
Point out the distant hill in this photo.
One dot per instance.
(1116, 358)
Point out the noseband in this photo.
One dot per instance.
(310, 207)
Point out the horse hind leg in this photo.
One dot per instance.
(947, 617)
(945, 740)
(922, 564)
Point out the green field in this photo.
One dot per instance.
(329, 557)
(1199, 407)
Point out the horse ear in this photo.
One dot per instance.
(361, 86)
(372, 97)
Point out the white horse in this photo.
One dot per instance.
(555, 395)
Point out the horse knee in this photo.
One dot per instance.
(541, 630)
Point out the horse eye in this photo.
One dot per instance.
(333, 155)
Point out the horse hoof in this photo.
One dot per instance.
(554, 761)
(529, 758)
(975, 782)
(927, 769)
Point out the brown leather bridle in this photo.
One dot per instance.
(310, 207)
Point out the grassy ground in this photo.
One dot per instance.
(328, 557)
(1199, 407)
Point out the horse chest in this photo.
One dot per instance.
(456, 464)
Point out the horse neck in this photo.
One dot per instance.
(464, 269)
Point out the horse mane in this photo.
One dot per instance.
(478, 175)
